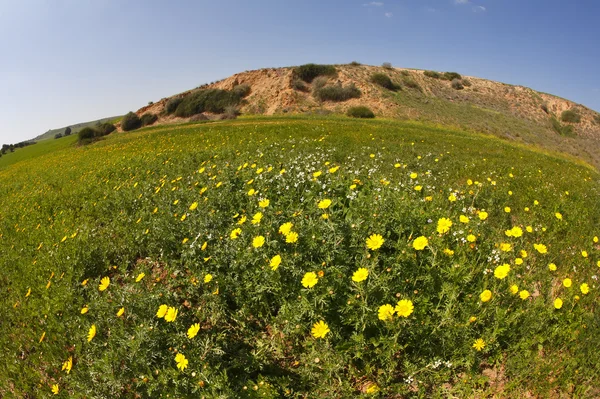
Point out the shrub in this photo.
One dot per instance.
(360, 112)
(148, 119)
(432, 74)
(410, 83)
(337, 93)
(404, 73)
(387, 65)
(198, 117)
(231, 112)
(130, 122)
(58, 135)
(466, 82)
(87, 133)
(457, 84)
(383, 80)
(355, 63)
(68, 131)
(563, 130)
(104, 129)
(319, 82)
(570, 116)
(299, 85)
(451, 76)
(241, 90)
(172, 104)
(544, 108)
(210, 100)
(308, 72)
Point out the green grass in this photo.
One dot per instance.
(39, 149)
(164, 201)
(76, 127)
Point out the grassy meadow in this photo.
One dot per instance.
(298, 257)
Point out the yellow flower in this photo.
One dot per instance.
(595, 239)
(251, 192)
(385, 312)
(183, 217)
(139, 277)
(413, 175)
(502, 271)
(104, 283)
(483, 215)
(334, 169)
(292, 237)
(309, 280)
(514, 289)
(264, 203)
(203, 247)
(28, 293)
(541, 248)
(552, 267)
(452, 198)
(208, 278)
(235, 233)
(443, 225)
(181, 361)
(420, 243)
(120, 312)
(68, 364)
(324, 204)
(242, 220)
(286, 228)
(162, 311)
(91, 333)
(375, 241)
(404, 308)
(584, 254)
(55, 389)
(485, 296)
(317, 174)
(523, 253)
(193, 330)
(372, 388)
(584, 288)
(567, 282)
(518, 261)
(418, 188)
(84, 309)
(360, 275)
(448, 252)
(558, 215)
(463, 219)
(171, 314)
(472, 319)
(529, 229)
(320, 329)
(479, 344)
(471, 238)
(275, 262)
(524, 294)
(507, 209)
(258, 241)
(558, 303)
(257, 218)
(505, 247)
(514, 232)
(84, 282)
(193, 206)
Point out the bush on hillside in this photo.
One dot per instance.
(198, 117)
(466, 82)
(597, 119)
(68, 131)
(383, 80)
(570, 116)
(319, 82)
(452, 75)
(58, 135)
(355, 63)
(298, 84)
(457, 84)
(172, 104)
(209, 100)
(360, 112)
(148, 119)
(87, 133)
(563, 130)
(432, 74)
(337, 93)
(130, 122)
(410, 83)
(544, 108)
(387, 65)
(241, 90)
(308, 72)
(104, 129)
(231, 112)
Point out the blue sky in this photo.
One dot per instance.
(69, 61)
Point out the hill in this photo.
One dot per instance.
(511, 112)
(75, 128)
(299, 257)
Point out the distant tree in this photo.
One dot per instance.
(5, 148)
(68, 131)
(130, 122)
(12, 148)
(58, 135)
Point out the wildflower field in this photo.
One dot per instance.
(301, 258)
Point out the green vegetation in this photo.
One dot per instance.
(130, 122)
(563, 130)
(451, 76)
(387, 65)
(570, 116)
(360, 112)
(172, 104)
(597, 119)
(433, 74)
(346, 299)
(209, 100)
(383, 80)
(298, 84)
(104, 129)
(336, 92)
(148, 119)
(411, 83)
(457, 84)
(74, 129)
(308, 72)
(355, 63)
(86, 134)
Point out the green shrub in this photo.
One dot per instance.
(544, 108)
(210, 100)
(241, 90)
(570, 116)
(172, 104)
(451, 76)
(299, 85)
(87, 133)
(466, 82)
(410, 83)
(355, 63)
(563, 130)
(319, 82)
(198, 117)
(383, 80)
(231, 112)
(148, 119)
(457, 84)
(387, 65)
(58, 135)
(130, 122)
(360, 112)
(104, 129)
(432, 74)
(308, 72)
(337, 93)
(404, 73)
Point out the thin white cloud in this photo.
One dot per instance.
(389, 14)
(373, 4)
(479, 9)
